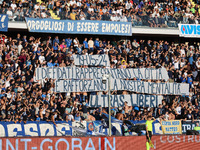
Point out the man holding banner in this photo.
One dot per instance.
(149, 129)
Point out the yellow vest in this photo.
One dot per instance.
(149, 125)
(197, 128)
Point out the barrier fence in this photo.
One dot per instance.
(164, 142)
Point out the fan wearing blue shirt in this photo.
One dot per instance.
(56, 40)
(85, 43)
(96, 43)
(183, 79)
(189, 79)
(50, 64)
(191, 59)
(55, 47)
(68, 41)
(56, 64)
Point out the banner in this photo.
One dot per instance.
(97, 73)
(79, 26)
(172, 127)
(163, 142)
(3, 22)
(91, 60)
(117, 85)
(118, 100)
(62, 128)
(189, 30)
(188, 125)
(66, 143)
(157, 128)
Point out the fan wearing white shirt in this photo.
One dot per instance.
(71, 3)
(129, 5)
(37, 6)
(123, 18)
(113, 17)
(41, 58)
(10, 13)
(13, 5)
(176, 64)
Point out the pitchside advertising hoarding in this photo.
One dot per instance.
(79, 26)
(164, 142)
(189, 30)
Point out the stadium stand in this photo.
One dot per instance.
(25, 99)
(141, 13)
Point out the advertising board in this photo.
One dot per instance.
(164, 142)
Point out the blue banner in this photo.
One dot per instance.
(188, 125)
(3, 22)
(79, 26)
(62, 128)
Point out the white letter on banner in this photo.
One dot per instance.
(37, 25)
(108, 27)
(93, 27)
(25, 142)
(63, 26)
(85, 27)
(31, 129)
(29, 24)
(14, 129)
(108, 143)
(33, 25)
(49, 26)
(112, 26)
(89, 26)
(42, 25)
(46, 25)
(42, 143)
(60, 26)
(69, 25)
(9, 145)
(63, 129)
(97, 27)
(56, 26)
(122, 28)
(62, 140)
(78, 26)
(118, 28)
(78, 145)
(2, 129)
(46, 130)
(88, 144)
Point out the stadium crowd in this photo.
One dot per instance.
(152, 13)
(22, 98)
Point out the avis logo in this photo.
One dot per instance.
(190, 29)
